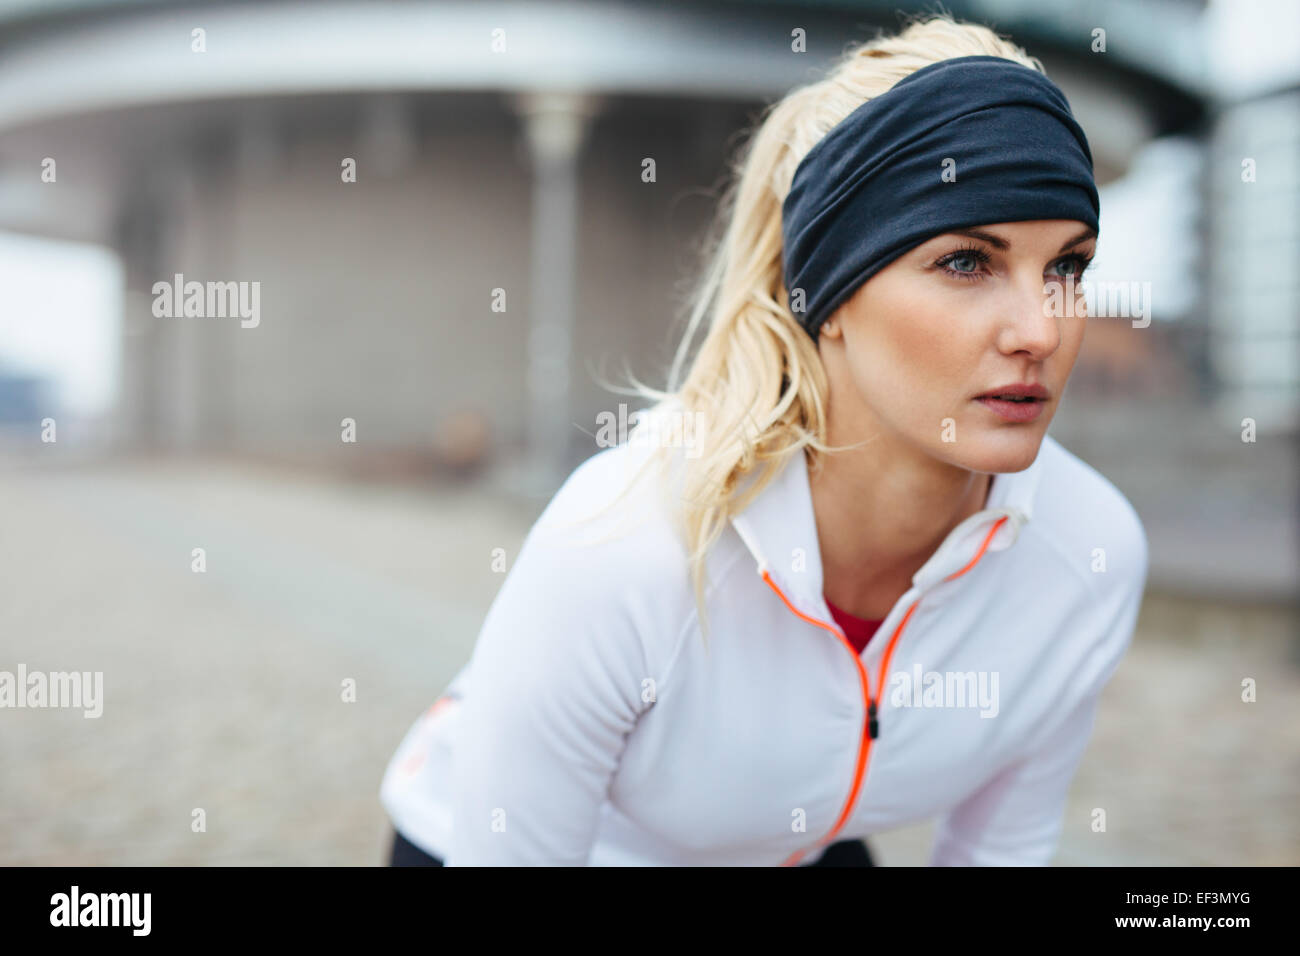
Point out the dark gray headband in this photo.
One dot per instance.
(875, 186)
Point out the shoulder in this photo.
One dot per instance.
(601, 574)
(1088, 523)
(1090, 532)
(612, 515)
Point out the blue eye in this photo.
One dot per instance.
(1080, 263)
(965, 253)
(975, 256)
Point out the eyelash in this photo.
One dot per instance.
(1082, 262)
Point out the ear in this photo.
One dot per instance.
(830, 328)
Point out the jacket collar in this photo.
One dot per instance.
(780, 529)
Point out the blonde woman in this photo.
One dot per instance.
(849, 583)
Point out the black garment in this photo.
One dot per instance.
(406, 853)
(842, 853)
(845, 853)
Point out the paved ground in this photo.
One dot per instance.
(224, 688)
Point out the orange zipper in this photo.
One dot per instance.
(870, 730)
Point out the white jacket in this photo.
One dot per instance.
(592, 726)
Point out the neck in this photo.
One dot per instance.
(882, 511)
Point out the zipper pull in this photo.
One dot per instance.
(873, 725)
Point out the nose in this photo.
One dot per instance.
(1033, 313)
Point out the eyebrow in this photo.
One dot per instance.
(999, 243)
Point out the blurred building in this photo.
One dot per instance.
(531, 181)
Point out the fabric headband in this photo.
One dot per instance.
(967, 141)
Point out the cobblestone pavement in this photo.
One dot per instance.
(223, 689)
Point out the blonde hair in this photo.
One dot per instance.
(757, 382)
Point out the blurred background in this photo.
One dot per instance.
(456, 238)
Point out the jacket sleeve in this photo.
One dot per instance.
(554, 689)
(1016, 818)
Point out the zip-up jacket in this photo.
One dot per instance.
(593, 725)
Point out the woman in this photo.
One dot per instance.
(868, 589)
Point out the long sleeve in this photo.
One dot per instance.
(554, 689)
(1016, 818)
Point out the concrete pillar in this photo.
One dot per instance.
(555, 126)
(138, 241)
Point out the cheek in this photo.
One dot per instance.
(1072, 332)
(910, 360)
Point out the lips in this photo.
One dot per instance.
(1016, 391)
(1015, 403)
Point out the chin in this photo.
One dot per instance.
(1001, 450)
